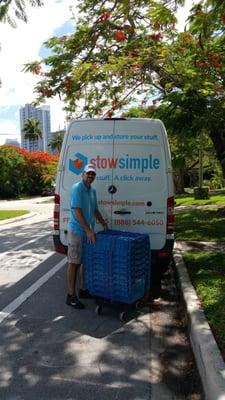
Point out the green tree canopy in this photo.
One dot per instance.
(183, 144)
(127, 49)
(57, 140)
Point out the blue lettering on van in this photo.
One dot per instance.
(78, 163)
(76, 138)
(126, 162)
(139, 163)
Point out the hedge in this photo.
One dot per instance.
(25, 173)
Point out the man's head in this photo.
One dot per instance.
(89, 174)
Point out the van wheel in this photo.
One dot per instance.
(155, 293)
(155, 282)
(138, 304)
(98, 309)
(122, 316)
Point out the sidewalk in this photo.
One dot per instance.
(192, 245)
(36, 206)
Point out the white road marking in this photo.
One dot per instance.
(24, 244)
(28, 292)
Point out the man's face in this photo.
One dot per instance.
(88, 178)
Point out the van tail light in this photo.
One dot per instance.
(164, 254)
(170, 215)
(56, 212)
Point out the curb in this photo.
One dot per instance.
(208, 358)
(20, 218)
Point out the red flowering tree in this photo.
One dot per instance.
(121, 50)
(109, 58)
(41, 171)
(24, 172)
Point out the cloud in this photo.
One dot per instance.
(22, 45)
(8, 126)
(183, 13)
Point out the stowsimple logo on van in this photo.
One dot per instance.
(77, 165)
(126, 162)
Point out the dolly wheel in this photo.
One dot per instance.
(98, 309)
(137, 305)
(122, 316)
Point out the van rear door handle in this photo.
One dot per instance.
(122, 212)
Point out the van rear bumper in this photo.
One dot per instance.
(160, 260)
(162, 257)
(59, 247)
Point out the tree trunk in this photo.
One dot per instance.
(179, 181)
(218, 139)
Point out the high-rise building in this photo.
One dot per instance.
(42, 114)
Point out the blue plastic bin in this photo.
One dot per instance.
(117, 266)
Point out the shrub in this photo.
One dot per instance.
(13, 172)
(26, 173)
(42, 171)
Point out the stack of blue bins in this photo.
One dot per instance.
(117, 266)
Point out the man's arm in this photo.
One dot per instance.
(100, 219)
(80, 217)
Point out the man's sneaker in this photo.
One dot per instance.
(74, 302)
(85, 294)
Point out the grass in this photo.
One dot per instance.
(206, 269)
(188, 199)
(207, 273)
(6, 214)
(201, 224)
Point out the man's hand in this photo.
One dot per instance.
(105, 226)
(100, 219)
(90, 236)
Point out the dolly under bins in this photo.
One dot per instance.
(117, 268)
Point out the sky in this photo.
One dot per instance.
(24, 44)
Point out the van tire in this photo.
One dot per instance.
(155, 281)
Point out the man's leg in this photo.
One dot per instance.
(72, 271)
(74, 256)
(83, 292)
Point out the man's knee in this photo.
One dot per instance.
(74, 254)
(74, 266)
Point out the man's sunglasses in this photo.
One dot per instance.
(91, 174)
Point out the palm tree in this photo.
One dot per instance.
(57, 140)
(31, 130)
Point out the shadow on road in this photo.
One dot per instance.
(51, 351)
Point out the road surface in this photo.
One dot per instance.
(50, 351)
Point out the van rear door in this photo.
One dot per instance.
(131, 157)
(87, 141)
(139, 179)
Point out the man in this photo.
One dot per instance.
(83, 212)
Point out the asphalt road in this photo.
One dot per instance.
(51, 351)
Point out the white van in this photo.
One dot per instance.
(134, 181)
